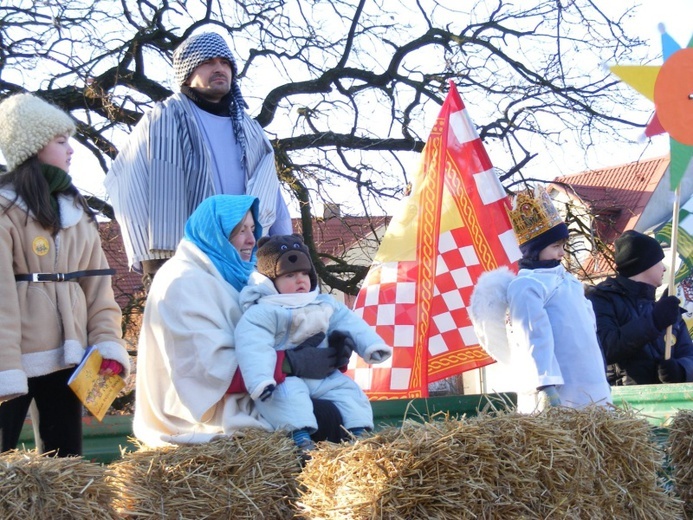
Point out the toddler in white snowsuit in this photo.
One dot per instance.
(284, 310)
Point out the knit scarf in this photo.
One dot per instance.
(526, 263)
(231, 105)
(222, 108)
(209, 228)
(58, 181)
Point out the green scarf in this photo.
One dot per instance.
(58, 181)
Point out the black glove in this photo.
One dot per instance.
(310, 362)
(267, 392)
(343, 345)
(665, 311)
(671, 371)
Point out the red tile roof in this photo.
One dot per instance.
(336, 235)
(126, 283)
(333, 236)
(616, 196)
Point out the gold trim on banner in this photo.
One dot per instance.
(427, 236)
(466, 208)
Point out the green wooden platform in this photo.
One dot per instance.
(657, 403)
(394, 411)
(103, 441)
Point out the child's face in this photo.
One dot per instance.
(555, 251)
(57, 153)
(298, 282)
(654, 275)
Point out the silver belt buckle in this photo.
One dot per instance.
(60, 277)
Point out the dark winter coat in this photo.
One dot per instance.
(632, 345)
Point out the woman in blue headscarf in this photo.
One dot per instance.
(188, 387)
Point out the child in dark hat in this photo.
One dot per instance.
(632, 324)
(554, 350)
(283, 309)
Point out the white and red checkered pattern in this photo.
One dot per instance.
(424, 317)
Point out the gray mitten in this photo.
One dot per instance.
(343, 344)
(310, 362)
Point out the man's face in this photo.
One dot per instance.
(212, 79)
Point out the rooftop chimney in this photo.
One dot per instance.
(330, 209)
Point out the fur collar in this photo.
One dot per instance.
(70, 212)
(487, 310)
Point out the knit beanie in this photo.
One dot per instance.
(635, 253)
(283, 254)
(196, 49)
(27, 124)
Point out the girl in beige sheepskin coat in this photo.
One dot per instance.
(56, 285)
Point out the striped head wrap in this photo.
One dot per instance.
(206, 46)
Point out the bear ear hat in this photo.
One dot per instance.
(263, 240)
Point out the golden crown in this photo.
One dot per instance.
(532, 214)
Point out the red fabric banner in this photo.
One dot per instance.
(453, 227)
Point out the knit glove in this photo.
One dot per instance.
(343, 345)
(310, 362)
(548, 397)
(313, 341)
(110, 367)
(665, 312)
(671, 371)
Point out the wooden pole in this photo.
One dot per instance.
(668, 340)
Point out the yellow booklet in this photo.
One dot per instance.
(97, 392)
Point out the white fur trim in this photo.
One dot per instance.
(70, 212)
(13, 383)
(73, 352)
(116, 352)
(46, 362)
(488, 309)
(377, 353)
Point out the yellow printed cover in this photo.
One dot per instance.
(97, 392)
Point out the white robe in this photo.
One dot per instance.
(552, 331)
(186, 356)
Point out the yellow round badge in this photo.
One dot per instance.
(41, 246)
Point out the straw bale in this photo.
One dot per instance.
(249, 476)
(680, 446)
(595, 463)
(37, 487)
(625, 461)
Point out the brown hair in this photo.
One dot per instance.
(237, 228)
(30, 186)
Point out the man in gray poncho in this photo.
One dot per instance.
(197, 143)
